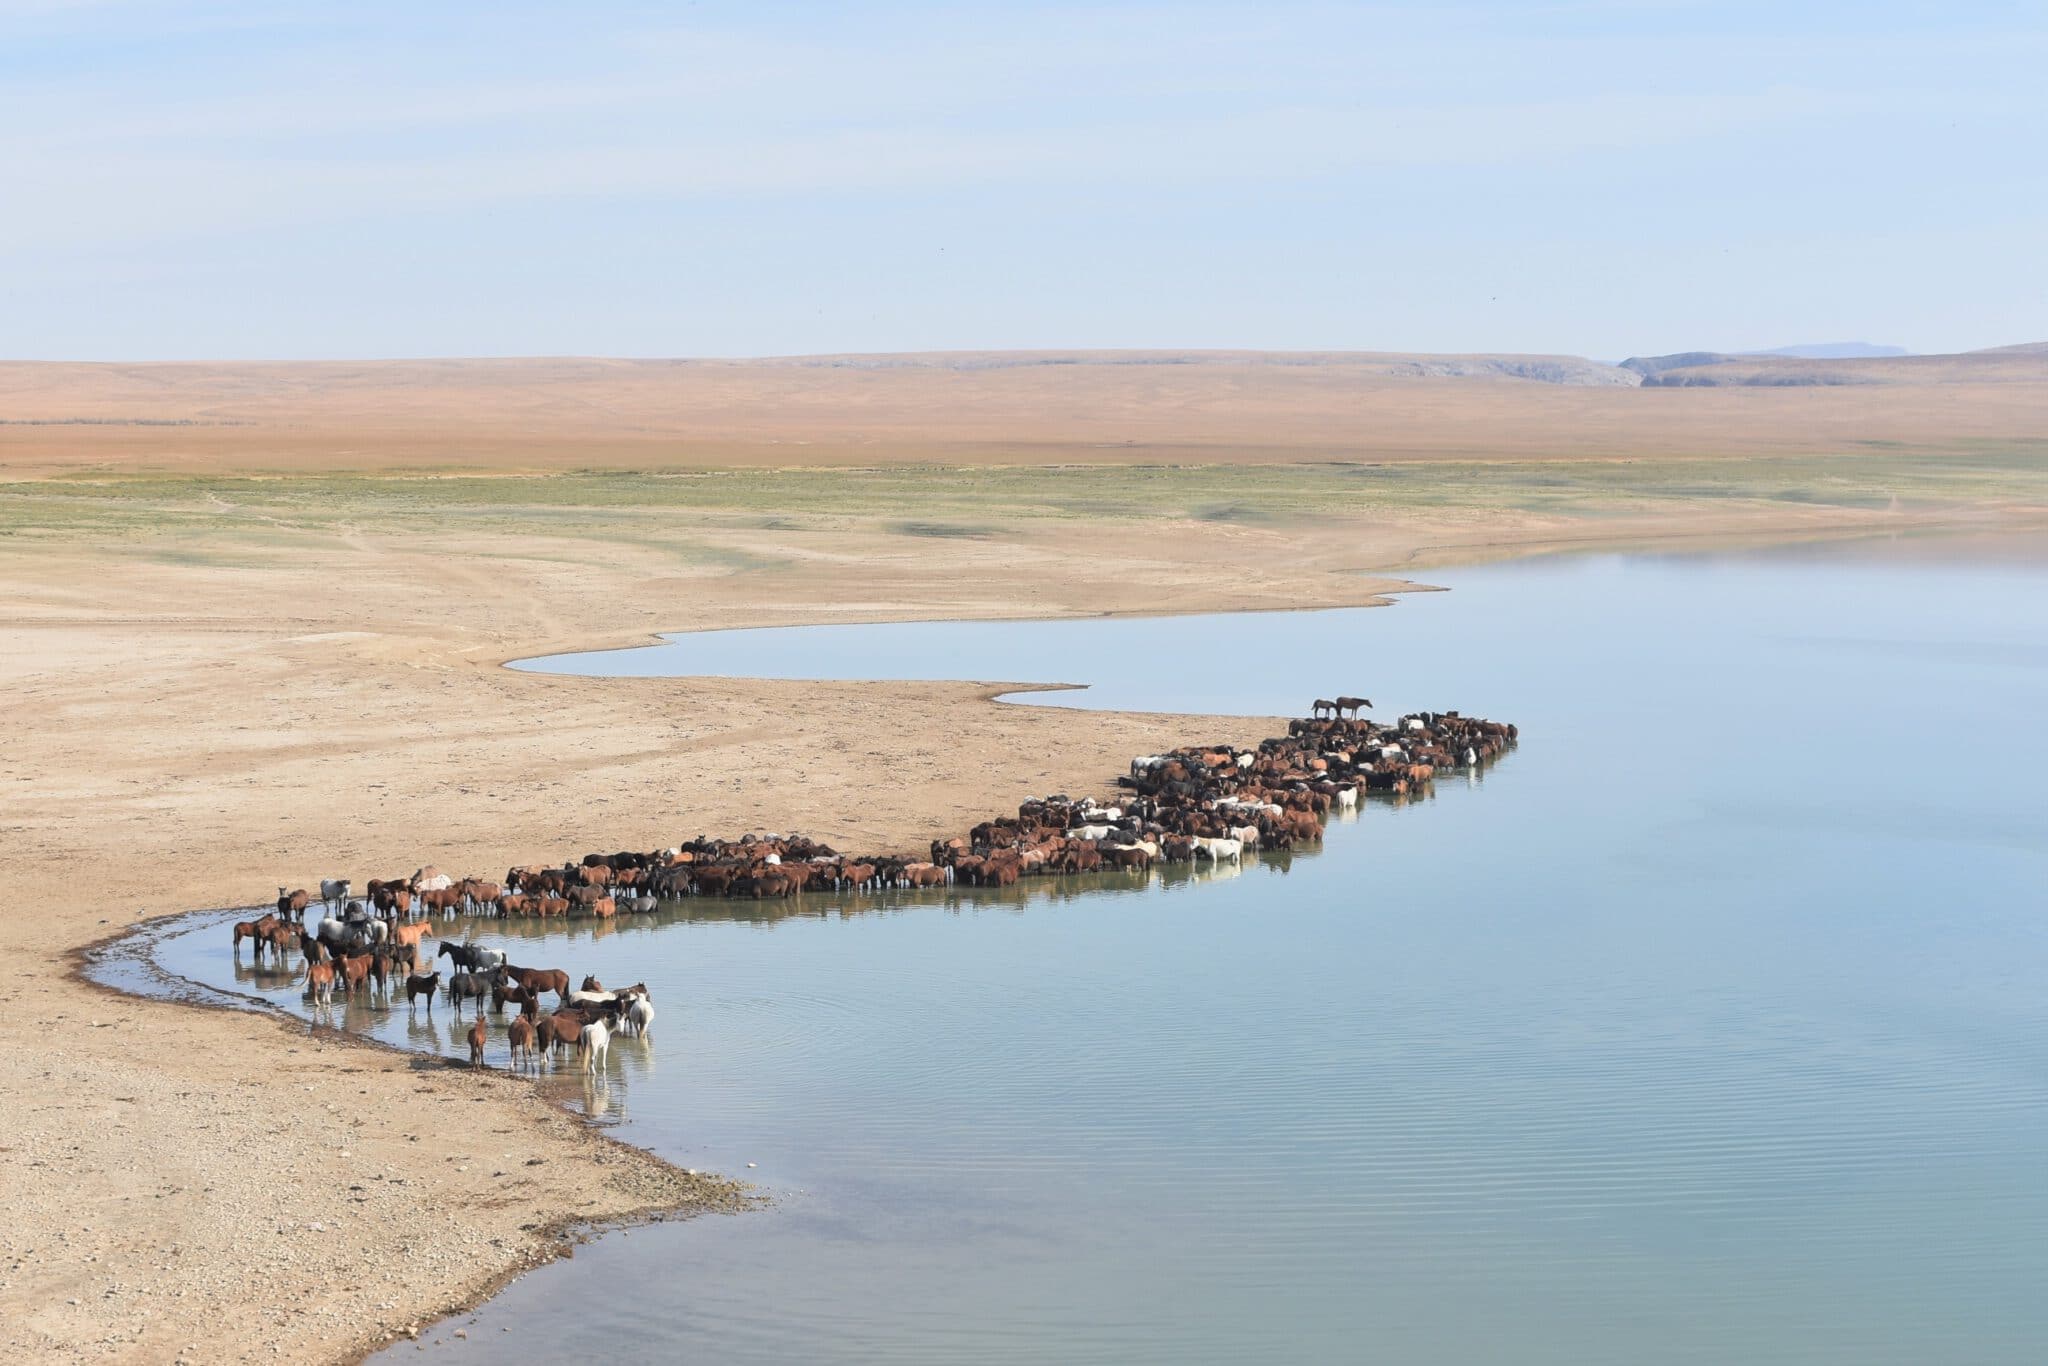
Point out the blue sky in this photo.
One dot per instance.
(284, 180)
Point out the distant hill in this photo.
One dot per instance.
(1833, 351)
(1765, 369)
(1568, 370)
(1011, 408)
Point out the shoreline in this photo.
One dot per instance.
(690, 1193)
(1316, 769)
(390, 692)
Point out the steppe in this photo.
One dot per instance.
(253, 616)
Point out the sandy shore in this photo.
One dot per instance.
(192, 724)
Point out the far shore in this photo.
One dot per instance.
(210, 691)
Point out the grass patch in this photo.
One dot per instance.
(952, 531)
(681, 507)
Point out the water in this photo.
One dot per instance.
(1706, 1027)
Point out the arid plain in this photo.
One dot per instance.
(254, 616)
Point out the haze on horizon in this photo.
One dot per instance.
(239, 180)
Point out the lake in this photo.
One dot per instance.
(1706, 1026)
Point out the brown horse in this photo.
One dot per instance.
(413, 933)
(478, 1036)
(520, 1035)
(320, 982)
(258, 930)
(354, 970)
(564, 1028)
(501, 996)
(281, 937)
(537, 980)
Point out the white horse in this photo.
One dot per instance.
(334, 890)
(1347, 798)
(1218, 850)
(593, 1044)
(640, 1015)
(1246, 835)
(431, 879)
(1093, 832)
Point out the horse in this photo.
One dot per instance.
(431, 879)
(292, 903)
(478, 1036)
(420, 984)
(333, 891)
(467, 986)
(519, 1034)
(282, 937)
(594, 1042)
(354, 970)
(640, 1016)
(1323, 707)
(253, 929)
(412, 934)
(566, 1028)
(537, 980)
(470, 957)
(320, 982)
(1220, 849)
(1353, 705)
(518, 996)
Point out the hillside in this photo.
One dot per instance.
(2005, 365)
(993, 408)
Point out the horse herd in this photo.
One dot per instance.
(364, 952)
(1212, 803)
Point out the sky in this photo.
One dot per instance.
(287, 180)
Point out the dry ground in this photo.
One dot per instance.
(215, 683)
(1189, 407)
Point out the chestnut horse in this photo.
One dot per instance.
(520, 1035)
(537, 980)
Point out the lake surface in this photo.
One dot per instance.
(1707, 1026)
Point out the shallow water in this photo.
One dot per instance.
(1705, 1027)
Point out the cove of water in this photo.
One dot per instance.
(1707, 1026)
